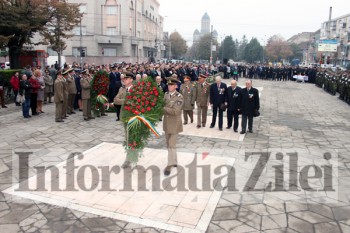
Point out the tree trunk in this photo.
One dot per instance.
(59, 59)
(14, 53)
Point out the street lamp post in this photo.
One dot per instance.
(223, 48)
(211, 45)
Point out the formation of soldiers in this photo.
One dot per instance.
(66, 91)
(265, 72)
(335, 82)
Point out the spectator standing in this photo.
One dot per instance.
(2, 92)
(25, 90)
(15, 86)
(41, 90)
(34, 82)
(48, 87)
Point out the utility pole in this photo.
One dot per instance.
(211, 45)
(223, 49)
(81, 45)
(58, 25)
(328, 34)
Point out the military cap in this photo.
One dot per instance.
(187, 77)
(128, 75)
(172, 80)
(70, 70)
(86, 71)
(202, 76)
(65, 72)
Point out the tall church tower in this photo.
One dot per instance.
(205, 24)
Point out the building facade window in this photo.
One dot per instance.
(111, 10)
(110, 52)
(111, 31)
(76, 51)
(76, 30)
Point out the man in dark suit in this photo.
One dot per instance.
(233, 98)
(249, 103)
(160, 84)
(114, 80)
(218, 91)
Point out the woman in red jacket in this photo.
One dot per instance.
(34, 82)
(15, 86)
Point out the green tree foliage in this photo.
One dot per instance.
(178, 45)
(253, 51)
(241, 48)
(297, 52)
(203, 47)
(64, 17)
(228, 49)
(20, 19)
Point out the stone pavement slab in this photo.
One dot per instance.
(141, 203)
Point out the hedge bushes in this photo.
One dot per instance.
(7, 74)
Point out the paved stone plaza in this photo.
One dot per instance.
(295, 117)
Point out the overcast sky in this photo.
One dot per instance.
(253, 18)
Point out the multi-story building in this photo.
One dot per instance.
(115, 31)
(306, 43)
(338, 29)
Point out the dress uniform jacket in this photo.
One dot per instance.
(65, 87)
(85, 88)
(202, 94)
(172, 113)
(120, 97)
(72, 89)
(58, 96)
(188, 92)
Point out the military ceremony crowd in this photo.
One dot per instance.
(69, 88)
(185, 85)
